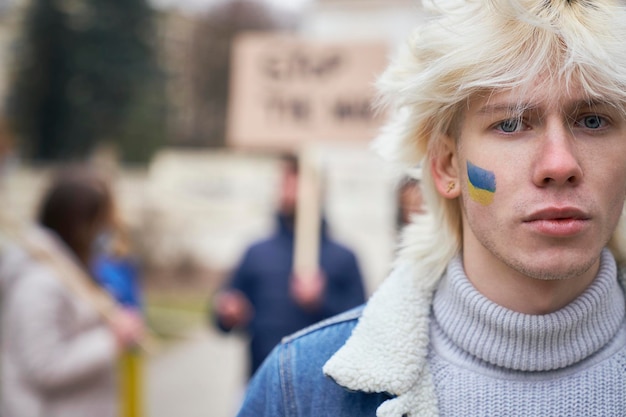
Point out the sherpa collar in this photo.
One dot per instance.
(388, 347)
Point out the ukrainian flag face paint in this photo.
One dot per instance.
(481, 184)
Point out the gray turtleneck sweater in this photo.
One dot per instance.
(487, 360)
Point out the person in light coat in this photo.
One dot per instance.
(58, 352)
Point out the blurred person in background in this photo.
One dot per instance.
(113, 263)
(58, 353)
(409, 199)
(267, 301)
(507, 297)
(116, 269)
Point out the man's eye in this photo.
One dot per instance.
(592, 122)
(510, 126)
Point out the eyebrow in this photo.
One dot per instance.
(518, 108)
(506, 108)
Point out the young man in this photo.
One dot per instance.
(507, 297)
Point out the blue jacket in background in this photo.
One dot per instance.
(120, 277)
(264, 275)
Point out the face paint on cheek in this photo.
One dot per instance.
(481, 184)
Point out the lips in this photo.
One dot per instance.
(558, 222)
(558, 214)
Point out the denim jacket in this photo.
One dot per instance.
(369, 361)
(291, 382)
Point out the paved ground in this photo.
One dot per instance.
(201, 376)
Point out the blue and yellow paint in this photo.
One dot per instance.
(481, 184)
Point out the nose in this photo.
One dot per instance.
(557, 160)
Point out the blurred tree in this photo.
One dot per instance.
(210, 52)
(86, 73)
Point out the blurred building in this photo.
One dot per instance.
(195, 46)
(196, 49)
(389, 20)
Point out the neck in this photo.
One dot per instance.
(519, 292)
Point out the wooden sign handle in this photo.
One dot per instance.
(308, 214)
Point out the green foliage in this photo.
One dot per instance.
(86, 72)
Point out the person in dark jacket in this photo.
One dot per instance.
(262, 296)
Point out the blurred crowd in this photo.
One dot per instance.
(73, 327)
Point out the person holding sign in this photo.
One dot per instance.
(59, 345)
(507, 297)
(267, 300)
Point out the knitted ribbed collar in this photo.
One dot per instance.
(387, 351)
(524, 342)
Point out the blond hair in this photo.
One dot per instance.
(475, 47)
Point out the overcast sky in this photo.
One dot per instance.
(193, 6)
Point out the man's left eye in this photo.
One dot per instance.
(592, 121)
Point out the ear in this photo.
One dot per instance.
(444, 168)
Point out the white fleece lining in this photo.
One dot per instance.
(387, 349)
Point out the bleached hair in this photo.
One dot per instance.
(472, 47)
